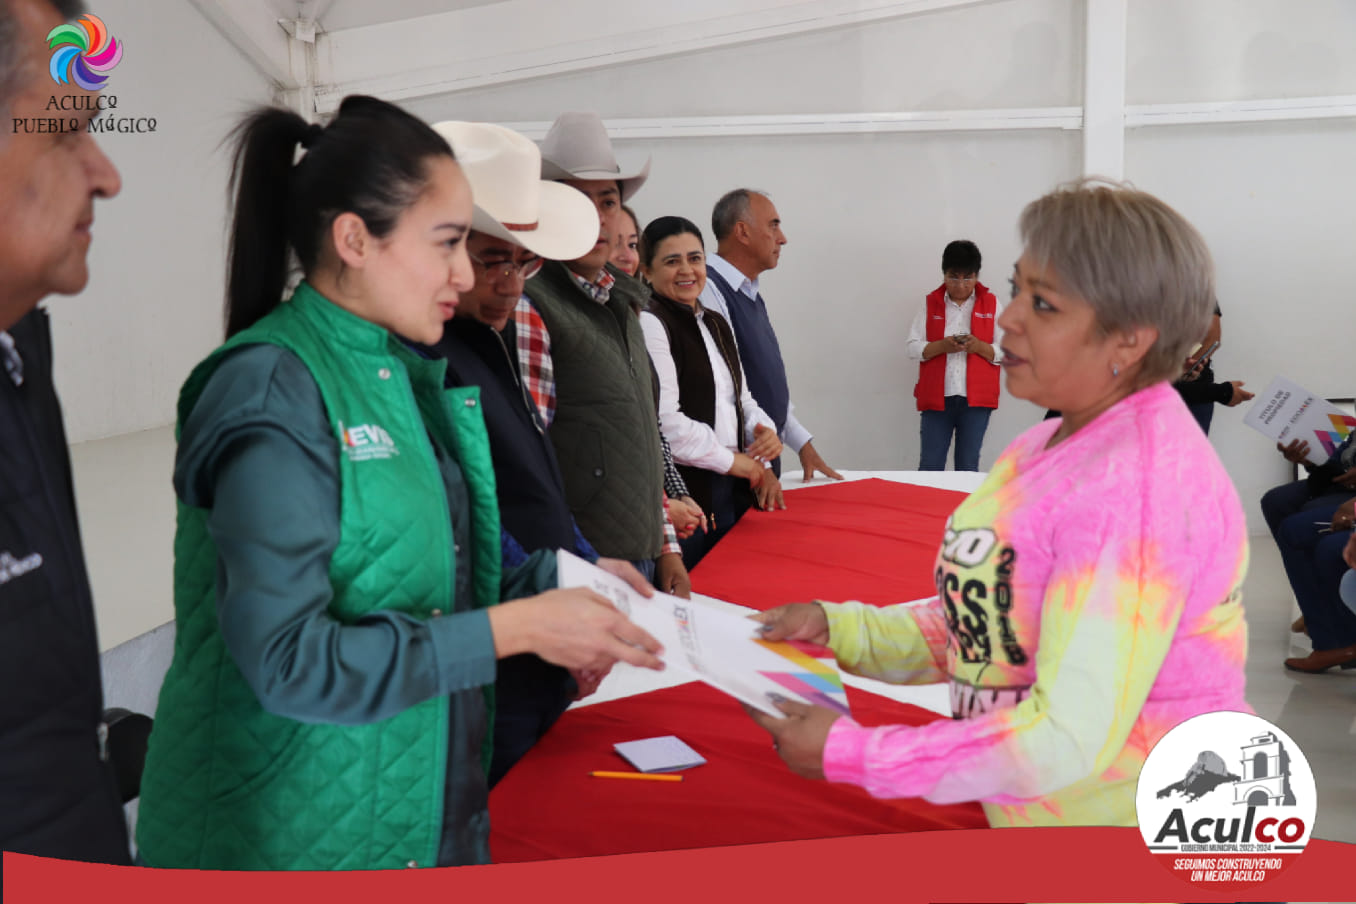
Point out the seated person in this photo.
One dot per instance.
(1349, 579)
(1313, 553)
(719, 435)
(1296, 514)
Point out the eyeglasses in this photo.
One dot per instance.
(956, 277)
(503, 271)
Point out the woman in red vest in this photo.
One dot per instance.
(955, 338)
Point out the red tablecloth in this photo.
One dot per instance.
(548, 806)
(869, 540)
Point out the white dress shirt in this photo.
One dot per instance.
(795, 435)
(694, 443)
(14, 365)
(957, 321)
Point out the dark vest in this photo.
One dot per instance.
(758, 346)
(532, 504)
(696, 383)
(605, 431)
(57, 797)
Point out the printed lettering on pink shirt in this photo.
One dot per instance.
(974, 581)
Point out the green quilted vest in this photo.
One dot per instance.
(606, 430)
(230, 786)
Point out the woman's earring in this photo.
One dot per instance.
(1115, 370)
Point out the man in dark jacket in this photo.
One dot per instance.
(57, 794)
(519, 221)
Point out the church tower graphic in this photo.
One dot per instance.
(1266, 774)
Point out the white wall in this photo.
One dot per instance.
(867, 216)
(126, 508)
(153, 306)
(1272, 199)
(1224, 50)
(1020, 53)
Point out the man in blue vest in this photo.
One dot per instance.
(57, 793)
(749, 241)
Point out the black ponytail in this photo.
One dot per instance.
(261, 180)
(371, 160)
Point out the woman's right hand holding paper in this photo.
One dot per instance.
(575, 628)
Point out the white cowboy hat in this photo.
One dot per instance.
(512, 201)
(577, 147)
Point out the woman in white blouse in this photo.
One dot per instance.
(721, 439)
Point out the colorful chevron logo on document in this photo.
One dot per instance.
(815, 678)
(1342, 425)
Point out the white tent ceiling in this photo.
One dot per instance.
(338, 15)
(317, 51)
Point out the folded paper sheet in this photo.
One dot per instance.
(663, 754)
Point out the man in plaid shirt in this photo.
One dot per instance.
(606, 189)
(682, 515)
(534, 358)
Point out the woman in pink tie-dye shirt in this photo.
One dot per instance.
(1089, 590)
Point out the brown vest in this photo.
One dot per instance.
(696, 383)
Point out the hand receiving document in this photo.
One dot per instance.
(719, 647)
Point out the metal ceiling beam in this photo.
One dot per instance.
(1341, 106)
(254, 31)
(1064, 118)
(1104, 56)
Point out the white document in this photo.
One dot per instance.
(664, 754)
(721, 648)
(1286, 411)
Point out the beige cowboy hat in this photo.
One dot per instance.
(512, 201)
(577, 147)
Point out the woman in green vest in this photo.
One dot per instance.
(337, 558)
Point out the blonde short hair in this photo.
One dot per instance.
(1133, 258)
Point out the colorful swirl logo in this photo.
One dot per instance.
(82, 52)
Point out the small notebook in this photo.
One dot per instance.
(666, 754)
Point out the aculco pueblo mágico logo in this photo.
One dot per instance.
(1226, 800)
(83, 53)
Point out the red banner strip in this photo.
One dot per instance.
(992, 865)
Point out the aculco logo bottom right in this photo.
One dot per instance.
(1226, 800)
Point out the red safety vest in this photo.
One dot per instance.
(981, 377)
